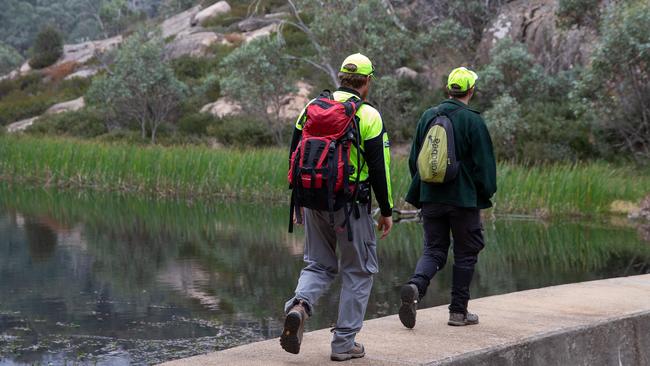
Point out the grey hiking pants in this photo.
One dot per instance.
(358, 264)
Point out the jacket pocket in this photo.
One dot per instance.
(370, 263)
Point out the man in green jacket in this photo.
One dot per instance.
(453, 206)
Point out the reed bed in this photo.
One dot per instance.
(197, 172)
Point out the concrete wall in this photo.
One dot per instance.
(597, 323)
(619, 342)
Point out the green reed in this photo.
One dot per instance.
(199, 172)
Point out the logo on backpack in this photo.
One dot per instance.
(437, 161)
(320, 170)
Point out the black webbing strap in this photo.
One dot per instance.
(357, 137)
(292, 207)
(294, 188)
(346, 189)
(331, 180)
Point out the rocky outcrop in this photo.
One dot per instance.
(69, 106)
(222, 107)
(262, 32)
(195, 44)
(253, 23)
(81, 53)
(406, 73)
(643, 212)
(534, 23)
(220, 8)
(291, 104)
(83, 73)
(21, 125)
(179, 24)
(24, 69)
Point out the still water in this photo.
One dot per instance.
(103, 279)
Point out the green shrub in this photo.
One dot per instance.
(196, 124)
(580, 12)
(72, 88)
(82, 123)
(512, 70)
(188, 67)
(19, 105)
(401, 103)
(28, 96)
(219, 51)
(30, 83)
(241, 131)
(130, 137)
(505, 125)
(544, 152)
(210, 88)
(47, 48)
(9, 58)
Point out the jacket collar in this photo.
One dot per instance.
(349, 91)
(460, 104)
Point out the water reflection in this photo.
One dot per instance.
(106, 279)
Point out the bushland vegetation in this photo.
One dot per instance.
(536, 113)
(47, 49)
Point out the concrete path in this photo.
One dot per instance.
(591, 323)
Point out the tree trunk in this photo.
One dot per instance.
(143, 129)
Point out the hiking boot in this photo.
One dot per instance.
(294, 325)
(356, 352)
(460, 319)
(410, 295)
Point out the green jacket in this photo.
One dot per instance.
(476, 180)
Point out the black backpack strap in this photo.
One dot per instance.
(294, 191)
(441, 113)
(331, 180)
(292, 208)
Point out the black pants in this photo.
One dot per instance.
(466, 229)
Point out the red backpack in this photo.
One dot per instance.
(320, 170)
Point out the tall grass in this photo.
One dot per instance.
(551, 189)
(172, 171)
(201, 172)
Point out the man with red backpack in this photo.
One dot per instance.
(339, 154)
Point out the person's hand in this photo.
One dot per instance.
(296, 221)
(385, 224)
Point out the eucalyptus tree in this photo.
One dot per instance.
(257, 75)
(140, 87)
(614, 92)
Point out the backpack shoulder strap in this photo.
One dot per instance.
(439, 113)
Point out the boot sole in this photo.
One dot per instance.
(407, 311)
(345, 356)
(460, 324)
(289, 338)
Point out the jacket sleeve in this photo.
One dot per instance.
(485, 170)
(377, 155)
